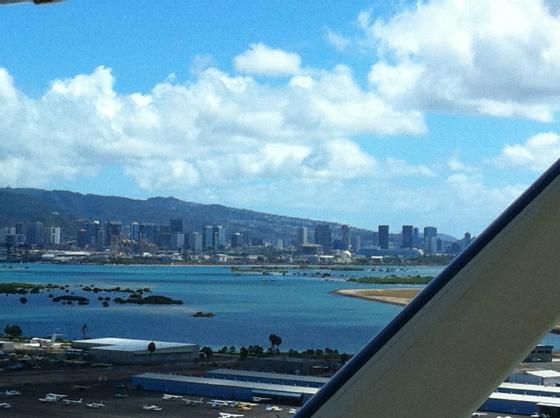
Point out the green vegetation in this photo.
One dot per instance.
(24, 288)
(392, 280)
(149, 300)
(81, 300)
(94, 289)
(201, 314)
(13, 331)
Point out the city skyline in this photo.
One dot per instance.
(358, 113)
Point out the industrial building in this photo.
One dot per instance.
(129, 351)
(533, 390)
(222, 388)
(512, 403)
(536, 377)
(540, 354)
(272, 378)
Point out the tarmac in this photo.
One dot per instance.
(28, 405)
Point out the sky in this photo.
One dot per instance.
(365, 112)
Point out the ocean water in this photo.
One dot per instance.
(297, 306)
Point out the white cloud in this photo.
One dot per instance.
(537, 153)
(498, 58)
(340, 42)
(264, 60)
(213, 130)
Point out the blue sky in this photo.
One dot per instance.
(435, 112)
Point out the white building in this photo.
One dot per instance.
(536, 377)
(129, 351)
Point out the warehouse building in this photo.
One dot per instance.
(129, 351)
(540, 354)
(222, 388)
(533, 390)
(536, 377)
(272, 378)
(511, 403)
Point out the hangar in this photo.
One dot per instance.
(130, 351)
(222, 388)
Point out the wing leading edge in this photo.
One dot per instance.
(449, 349)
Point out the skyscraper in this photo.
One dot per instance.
(346, 237)
(112, 231)
(323, 236)
(356, 244)
(135, 231)
(430, 239)
(236, 240)
(407, 233)
(383, 236)
(302, 235)
(53, 235)
(195, 242)
(218, 237)
(208, 237)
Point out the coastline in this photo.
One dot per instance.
(399, 297)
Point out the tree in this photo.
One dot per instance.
(152, 347)
(13, 331)
(243, 353)
(207, 351)
(84, 331)
(275, 342)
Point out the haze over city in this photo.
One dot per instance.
(363, 113)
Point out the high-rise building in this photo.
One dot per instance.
(356, 244)
(53, 235)
(208, 237)
(164, 237)
(195, 242)
(175, 225)
(407, 236)
(35, 233)
(21, 237)
(302, 235)
(218, 238)
(177, 241)
(430, 239)
(383, 237)
(236, 240)
(346, 237)
(415, 238)
(135, 231)
(20, 228)
(113, 232)
(82, 238)
(323, 236)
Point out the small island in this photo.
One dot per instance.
(148, 300)
(201, 314)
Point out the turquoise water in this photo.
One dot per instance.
(297, 306)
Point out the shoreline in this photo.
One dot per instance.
(398, 297)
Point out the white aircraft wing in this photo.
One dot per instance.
(444, 353)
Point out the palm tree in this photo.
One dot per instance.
(84, 331)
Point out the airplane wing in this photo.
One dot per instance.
(444, 353)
